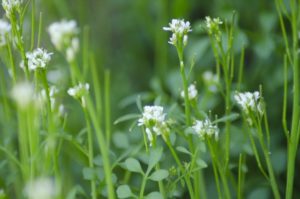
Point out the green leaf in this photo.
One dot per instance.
(75, 191)
(98, 160)
(124, 191)
(231, 117)
(127, 117)
(154, 195)
(201, 163)
(133, 165)
(159, 175)
(88, 173)
(120, 140)
(183, 150)
(155, 155)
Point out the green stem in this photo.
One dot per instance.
(103, 148)
(294, 137)
(90, 152)
(266, 153)
(142, 189)
(107, 106)
(213, 158)
(182, 169)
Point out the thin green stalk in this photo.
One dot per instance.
(97, 86)
(294, 136)
(266, 153)
(32, 24)
(12, 63)
(241, 177)
(285, 87)
(107, 106)
(40, 29)
(103, 148)
(90, 151)
(142, 189)
(160, 183)
(213, 158)
(182, 169)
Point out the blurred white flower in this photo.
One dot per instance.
(10, 5)
(52, 94)
(23, 94)
(213, 27)
(211, 81)
(153, 118)
(79, 92)
(180, 29)
(206, 129)
(62, 33)
(5, 28)
(39, 58)
(41, 188)
(249, 102)
(72, 49)
(192, 92)
(152, 115)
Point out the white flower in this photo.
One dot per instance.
(205, 129)
(5, 28)
(212, 26)
(39, 58)
(180, 29)
(153, 118)
(79, 91)
(249, 102)
(62, 33)
(211, 81)
(23, 94)
(52, 94)
(10, 5)
(192, 92)
(152, 115)
(41, 188)
(72, 49)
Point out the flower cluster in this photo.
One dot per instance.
(11, 5)
(40, 188)
(153, 118)
(213, 27)
(39, 58)
(180, 29)
(211, 81)
(205, 129)
(63, 35)
(249, 102)
(192, 92)
(79, 92)
(5, 28)
(23, 94)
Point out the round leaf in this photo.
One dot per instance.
(159, 175)
(154, 195)
(133, 165)
(124, 191)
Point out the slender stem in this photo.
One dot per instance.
(240, 177)
(294, 137)
(182, 169)
(142, 189)
(107, 106)
(90, 151)
(213, 158)
(103, 148)
(266, 153)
